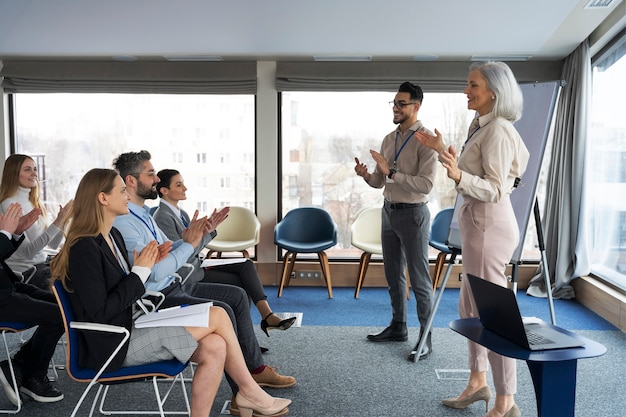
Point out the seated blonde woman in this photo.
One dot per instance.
(94, 267)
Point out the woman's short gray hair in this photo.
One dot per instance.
(509, 101)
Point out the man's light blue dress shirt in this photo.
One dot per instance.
(138, 229)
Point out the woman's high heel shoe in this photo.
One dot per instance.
(283, 325)
(513, 412)
(483, 394)
(246, 407)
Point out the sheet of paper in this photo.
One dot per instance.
(208, 263)
(196, 315)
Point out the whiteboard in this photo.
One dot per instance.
(533, 127)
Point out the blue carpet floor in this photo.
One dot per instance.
(372, 308)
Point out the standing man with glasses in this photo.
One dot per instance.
(406, 170)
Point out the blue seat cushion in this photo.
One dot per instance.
(305, 247)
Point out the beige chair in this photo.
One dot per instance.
(239, 232)
(365, 235)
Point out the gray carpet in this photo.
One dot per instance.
(341, 374)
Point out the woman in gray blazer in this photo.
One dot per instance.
(172, 220)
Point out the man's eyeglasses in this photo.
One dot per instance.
(149, 173)
(400, 104)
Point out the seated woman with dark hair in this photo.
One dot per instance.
(94, 267)
(172, 220)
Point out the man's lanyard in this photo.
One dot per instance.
(395, 147)
(149, 226)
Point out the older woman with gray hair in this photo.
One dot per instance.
(485, 173)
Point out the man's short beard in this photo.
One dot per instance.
(400, 120)
(147, 193)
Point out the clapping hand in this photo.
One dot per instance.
(64, 212)
(434, 142)
(27, 220)
(196, 230)
(447, 157)
(217, 218)
(148, 256)
(10, 220)
(381, 162)
(164, 250)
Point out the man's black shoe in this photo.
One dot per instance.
(395, 332)
(41, 390)
(426, 349)
(7, 382)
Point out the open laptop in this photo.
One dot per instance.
(499, 313)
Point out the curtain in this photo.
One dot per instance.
(129, 77)
(564, 221)
(387, 76)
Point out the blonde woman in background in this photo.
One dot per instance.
(20, 184)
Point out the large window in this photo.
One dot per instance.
(208, 138)
(606, 167)
(322, 133)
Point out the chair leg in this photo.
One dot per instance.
(408, 284)
(363, 264)
(12, 381)
(161, 398)
(441, 259)
(326, 272)
(408, 289)
(288, 262)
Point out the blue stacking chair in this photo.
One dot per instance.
(439, 229)
(305, 230)
(170, 369)
(12, 327)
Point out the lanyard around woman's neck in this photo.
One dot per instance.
(118, 255)
(474, 127)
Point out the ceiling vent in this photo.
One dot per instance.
(500, 58)
(598, 4)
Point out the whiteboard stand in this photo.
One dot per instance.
(544, 261)
(431, 318)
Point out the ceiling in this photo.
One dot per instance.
(398, 30)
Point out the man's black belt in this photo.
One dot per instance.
(402, 206)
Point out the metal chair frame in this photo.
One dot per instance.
(171, 370)
(12, 327)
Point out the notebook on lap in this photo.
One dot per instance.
(499, 313)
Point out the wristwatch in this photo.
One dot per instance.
(391, 172)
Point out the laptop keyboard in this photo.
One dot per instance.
(537, 339)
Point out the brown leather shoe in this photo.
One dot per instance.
(272, 379)
(234, 410)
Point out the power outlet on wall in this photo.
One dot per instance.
(309, 274)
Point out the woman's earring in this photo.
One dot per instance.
(493, 97)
